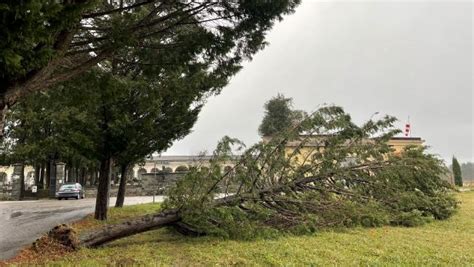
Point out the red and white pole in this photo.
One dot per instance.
(408, 128)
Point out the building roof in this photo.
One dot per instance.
(406, 138)
(318, 140)
(182, 158)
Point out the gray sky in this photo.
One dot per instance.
(402, 58)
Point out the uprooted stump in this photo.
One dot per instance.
(64, 235)
(58, 241)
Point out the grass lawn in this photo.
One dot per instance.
(447, 243)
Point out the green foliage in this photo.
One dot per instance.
(336, 174)
(158, 63)
(457, 172)
(279, 116)
(101, 115)
(441, 243)
(28, 31)
(44, 43)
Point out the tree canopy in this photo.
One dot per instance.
(43, 43)
(131, 75)
(279, 116)
(457, 172)
(99, 116)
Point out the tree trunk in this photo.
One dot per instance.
(72, 175)
(95, 177)
(76, 175)
(103, 190)
(3, 118)
(122, 186)
(91, 177)
(37, 174)
(128, 228)
(48, 173)
(42, 170)
(22, 182)
(83, 176)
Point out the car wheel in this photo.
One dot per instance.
(59, 198)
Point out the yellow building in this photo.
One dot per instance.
(316, 143)
(398, 144)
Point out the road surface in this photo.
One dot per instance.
(22, 222)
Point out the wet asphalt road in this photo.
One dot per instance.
(22, 222)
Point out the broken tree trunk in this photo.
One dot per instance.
(128, 228)
(173, 218)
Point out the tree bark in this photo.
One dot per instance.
(76, 175)
(37, 174)
(83, 176)
(94, 177)
(48, 173)
(173, 218)
(122, 186)
(22, 182)
(3, 118)
(42, 170)
(128, 228)
(103, 190)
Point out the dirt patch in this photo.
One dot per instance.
(60, 241)
(44, 248)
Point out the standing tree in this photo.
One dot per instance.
(457, 172)
(120, 121)
(180, 40)
(279, 116)
(44, 43)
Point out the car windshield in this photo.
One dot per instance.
(68, 186)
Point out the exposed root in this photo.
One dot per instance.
(65, 236)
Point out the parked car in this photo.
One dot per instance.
(70, 191)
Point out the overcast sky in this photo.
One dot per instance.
(400, 58)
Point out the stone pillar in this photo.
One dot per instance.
(52, 179)
(60, 173)
(16, 181)
(57, 178)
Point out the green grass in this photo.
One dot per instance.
(446, 243)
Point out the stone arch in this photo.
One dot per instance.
(168, 169)
(181, 168)
(140, 173)
(155, 170)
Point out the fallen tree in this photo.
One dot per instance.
(324, 172)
